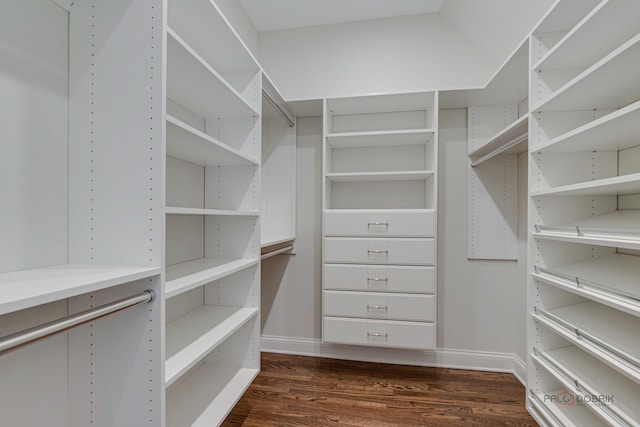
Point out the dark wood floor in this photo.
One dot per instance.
(309, 391)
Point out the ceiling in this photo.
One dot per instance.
(269, 15)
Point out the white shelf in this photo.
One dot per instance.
(610, 280)
(191, 274)
(189, 144)
(570, 364)
(613, 132)
(267, 241)
(172, 210)
(565, 415)
(565, 15)
(192, 336)
(585, 44)
(380, 138)
(193, 84)
(610, 83)
(511, 140)
(379, 176)
(380, 103)
(606, 333)
(29, 288)
(207, 396)
(617, 229)
(199, 22)
(617, 185)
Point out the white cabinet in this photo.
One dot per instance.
(213, 158)
(379, 220)
(584, 210)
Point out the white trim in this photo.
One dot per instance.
(440, 358)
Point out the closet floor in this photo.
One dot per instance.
(311, 391)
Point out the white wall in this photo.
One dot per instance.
(494, 28)
(399, 54)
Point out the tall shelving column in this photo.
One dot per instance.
(584, 210)
(82, 221)
(213, 149)
(379, 220)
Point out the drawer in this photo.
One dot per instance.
(362, 250)
(380, 223)
(384, 278)
(379, 305)
(383, 333)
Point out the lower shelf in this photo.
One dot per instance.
(207, 396)
(191, 274)
(587, 378)
(564, 414)
(192, 336)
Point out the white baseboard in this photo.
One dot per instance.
(440, 358)
(520, 369)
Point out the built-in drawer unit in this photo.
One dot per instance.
(380, 333)
(415, 251)
(405, 223)
(383, 278)
(379, 305)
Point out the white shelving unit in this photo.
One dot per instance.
(584, 209)
(213, 146)
(497, 117)
(379, 221)
(75, 235)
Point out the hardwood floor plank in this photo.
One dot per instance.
(309, 391)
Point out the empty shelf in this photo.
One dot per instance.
(380, 138)
(267, 241)
(189, 144)
(381, 103)
(193, 84)
(188, 275)
(511, 140)
(610, 83)
(172, 210)
(28, 288)
(606, 333)
(379, 176)
(613, 132)
(192, 336)
(565, 415)
(617, 185)
(586, 376)
(617, 229)
(207, 396)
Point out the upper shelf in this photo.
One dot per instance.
(188, 143)
(29, 288)
(565, 15)
(195, 85)
(584, 44)
(380, 138)
(511, 140)
(613, 132)
(380, 103)
(203, 26)
(609, 84)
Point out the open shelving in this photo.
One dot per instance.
(585, 376)
(584, 212)
(212, 214)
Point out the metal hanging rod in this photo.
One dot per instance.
(277, 252)
(280, 111)
(36, 333)
(509, 145)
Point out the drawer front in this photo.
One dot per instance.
(381, 278)
(372, 223)
(382, 333)
(378, 305)
(361, 250)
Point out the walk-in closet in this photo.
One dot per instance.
(321, 212)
